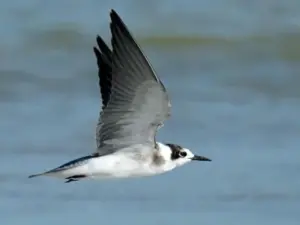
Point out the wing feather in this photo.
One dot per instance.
(137, 103)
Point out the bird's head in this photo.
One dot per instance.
(180, 155)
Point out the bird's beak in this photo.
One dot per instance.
(200, 158)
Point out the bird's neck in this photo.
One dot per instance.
(161, 159)
(164, 152)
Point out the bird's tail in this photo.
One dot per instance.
(36, 175)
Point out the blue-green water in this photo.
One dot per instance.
(232, 71)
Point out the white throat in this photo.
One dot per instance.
(165, 153)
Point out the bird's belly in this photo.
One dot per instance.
(115, 167)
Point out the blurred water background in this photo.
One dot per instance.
(232, 71)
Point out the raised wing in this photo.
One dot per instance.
(135, 101)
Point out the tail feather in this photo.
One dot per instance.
(36, 175)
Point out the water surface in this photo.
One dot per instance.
(232, 71)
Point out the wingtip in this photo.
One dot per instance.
(97, 38)
(114, 16)
(113, 12)
(117, 25)
(96, 51)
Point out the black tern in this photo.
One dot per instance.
(134, 106)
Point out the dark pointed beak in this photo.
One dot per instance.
(200, 158)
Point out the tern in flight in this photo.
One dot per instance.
(134, 106)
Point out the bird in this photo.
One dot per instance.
(135, 105)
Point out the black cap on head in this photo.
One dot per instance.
(175, 151)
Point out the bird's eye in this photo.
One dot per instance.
(182, 154)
